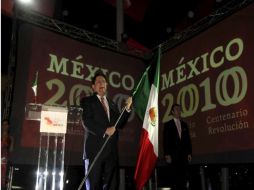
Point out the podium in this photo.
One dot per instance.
(53, 127)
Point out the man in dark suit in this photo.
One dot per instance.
(99, 117)
(177, 148)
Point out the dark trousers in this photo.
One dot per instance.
(179, 175)
(104, 174)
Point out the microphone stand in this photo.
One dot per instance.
(98, 154)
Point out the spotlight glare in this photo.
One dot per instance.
(45, 173)
(26, 1)
(61, 174)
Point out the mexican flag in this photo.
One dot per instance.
(35, 84)
(146, 106)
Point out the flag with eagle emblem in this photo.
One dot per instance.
(146, 107)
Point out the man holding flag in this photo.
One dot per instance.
(146, 106)
(102, 120)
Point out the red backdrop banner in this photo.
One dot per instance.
(65, 68)
(211, 77)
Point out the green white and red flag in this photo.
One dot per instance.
(35, 86)
(146, 107)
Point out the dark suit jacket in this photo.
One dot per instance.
(177, 148)
(96, 122)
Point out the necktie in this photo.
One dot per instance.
(104, 105)
(178, 125)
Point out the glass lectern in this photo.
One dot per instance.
(53, 126)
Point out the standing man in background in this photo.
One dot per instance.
(99, 117)
(177, 148)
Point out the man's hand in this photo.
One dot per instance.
(168, 159)
(110, 131)
(128, 103)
